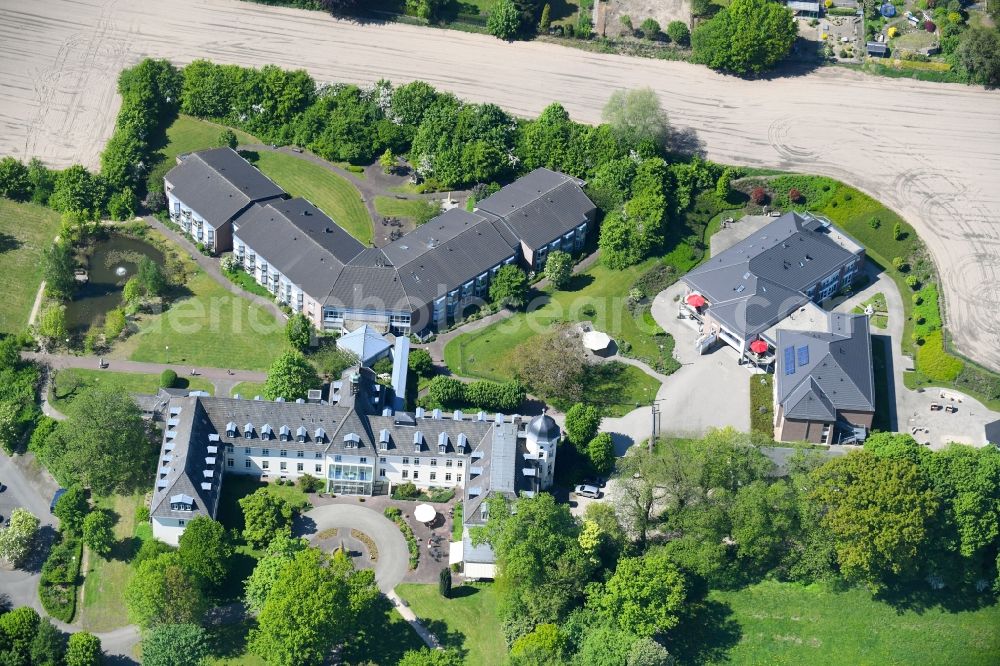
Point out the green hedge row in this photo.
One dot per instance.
(60, 578)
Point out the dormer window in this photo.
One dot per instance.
(181, 502)
(383, 439)
(418, 440)
(231, 429)
(442, 442)
(248, 431)
(300, 434)
(352, 440)
(285, 433)
(266, 432)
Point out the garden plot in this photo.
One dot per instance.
(662, 11)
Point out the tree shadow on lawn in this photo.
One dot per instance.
(447, 637)
(706, 636)
(9, 243)
(463, 591)
(917, 597)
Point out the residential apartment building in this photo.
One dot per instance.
(740, 295)
(352, 441)
(209, 189)
(824, 389)
(420, 282)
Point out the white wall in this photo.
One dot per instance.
(168, 530)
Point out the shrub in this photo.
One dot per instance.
(396, 516)
(310, 484)
(142, 514)
(758, 195)
(794, 195)
(168, 378)
(406, 491)
(898, 263)
(897, 231)
(913, 282)
(929, 26)
(917, 299)
(678, 33)
(875, 223)
(444, 579)
(59, 579)
(650, 28)
(392, 513)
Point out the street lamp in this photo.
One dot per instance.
(168, 353)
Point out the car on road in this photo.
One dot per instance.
(584, 490)
(596, 481)
(55, 498)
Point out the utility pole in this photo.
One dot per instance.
(655, 413)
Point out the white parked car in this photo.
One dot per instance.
(588, 491)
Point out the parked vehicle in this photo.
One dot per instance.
(592, 492)
(55, 498)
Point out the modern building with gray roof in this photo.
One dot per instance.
(824, 389)
(353, 440)
(209, 189)
(742, 292)
(416, 283)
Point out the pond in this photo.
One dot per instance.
(113, 260)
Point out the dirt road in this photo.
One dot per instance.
(928, 150)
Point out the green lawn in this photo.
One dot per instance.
(597, 295)
(412, 209)
(248, 389)
(879, 319)
(104, 584)
(25, 231)
(331, 193)
(185, 135)
(209, 327)
(70, 383)
(786, 623)
(467, 621)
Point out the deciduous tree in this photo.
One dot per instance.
(559, 268)
(162, 593)
(98, 532)
(601, 453)
(290, 376)
(582, 422)
(279, 553)
(227, 139)
(747, 37)
(504, 20)
(48, 647)
(204, 550)
(57, 269)
(71, 509)
(879, 510)
(646, 595)
(14, 182)
(636, 115)
(509, 287)
(104, 443)
(17, 539)
(175, 645)
(299, 331)
(265, 516)
(84, 649)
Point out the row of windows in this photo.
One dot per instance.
(283, 466)
(249, 450)
(433, 463)
(416, 475)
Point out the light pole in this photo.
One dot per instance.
(167, 347)
(654, 430)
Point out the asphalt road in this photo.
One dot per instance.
(928, 150)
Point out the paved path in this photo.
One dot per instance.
(211, 266)
(928, 150)
(393, 555)
(59, 361)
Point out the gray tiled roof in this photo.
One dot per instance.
(540, 206)
(183, 459)
(218, 184)
(755, 283)
(835, 373)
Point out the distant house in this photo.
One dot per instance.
(824, 382)
(209, 189)
(876, 49)
(740, 295)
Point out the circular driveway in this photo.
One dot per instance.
(393, 555)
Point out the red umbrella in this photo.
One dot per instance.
(696, 300)
(758, 346)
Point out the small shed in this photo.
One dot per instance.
(877, 50)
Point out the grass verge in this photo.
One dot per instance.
(187, 134)
(329, 192)
(248, 389)
(411, 209)
(71, 382)
(25, 231)
(467, 621)
(104, 586)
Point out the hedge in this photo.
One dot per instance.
(168, 378)
(396, 516)
(60, 577)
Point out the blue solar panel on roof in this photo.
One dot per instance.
(803, 356)
(789, 360)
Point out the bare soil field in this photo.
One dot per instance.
(928, 150)
(664, 11)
